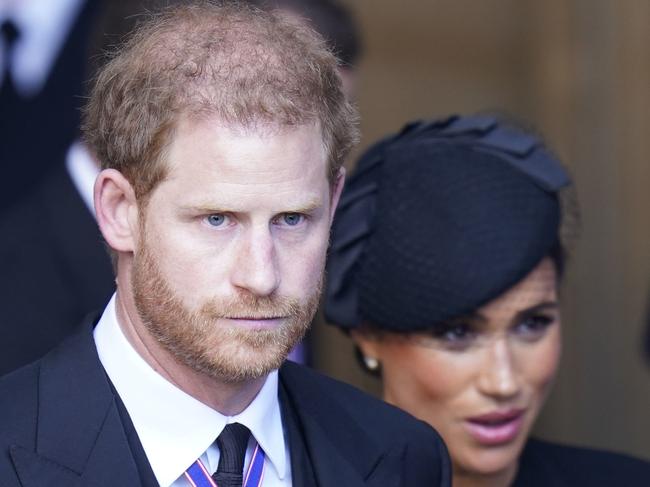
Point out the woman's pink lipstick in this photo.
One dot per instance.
(497, 427)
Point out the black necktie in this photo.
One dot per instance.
(232, 444)
(10, 35)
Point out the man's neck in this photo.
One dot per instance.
(228, 398)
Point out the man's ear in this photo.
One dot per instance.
(337, 189)
(117, 210)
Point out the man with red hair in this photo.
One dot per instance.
(221, 131)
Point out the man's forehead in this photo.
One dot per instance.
(211, 145)
(213, 140)
(209, 154)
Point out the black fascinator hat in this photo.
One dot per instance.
(438, 220)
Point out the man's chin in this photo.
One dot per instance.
(235, 363)
(235, 372)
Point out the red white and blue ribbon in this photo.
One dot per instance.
(198, 476)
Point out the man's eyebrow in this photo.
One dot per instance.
(308, 207)
(216, 207)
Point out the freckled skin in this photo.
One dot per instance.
(445, 386)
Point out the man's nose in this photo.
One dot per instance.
(256, 268)
(499, 376)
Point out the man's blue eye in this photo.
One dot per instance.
(292, 219)
(216, 219)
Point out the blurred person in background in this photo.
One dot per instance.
(447, 253)
(43, 47)
(55, 267)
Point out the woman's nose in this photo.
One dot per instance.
(499, 377)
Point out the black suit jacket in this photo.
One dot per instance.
(61, 426)
(546, 464)
(54, 270)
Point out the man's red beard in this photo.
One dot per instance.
(202, 341)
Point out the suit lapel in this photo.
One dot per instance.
(302, 472)
(82, 443)
(340, 451)
(34, 470)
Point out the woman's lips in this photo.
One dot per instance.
(497, 427)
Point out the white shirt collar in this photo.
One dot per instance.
(174, 428)
(83, 171)
(44, 26)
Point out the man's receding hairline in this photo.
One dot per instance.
(258, 71)
(256, 125)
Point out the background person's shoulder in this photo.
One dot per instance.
(544, 462)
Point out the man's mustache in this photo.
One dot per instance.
(248, 306)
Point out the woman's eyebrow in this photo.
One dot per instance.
(546, 305)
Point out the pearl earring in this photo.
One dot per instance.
(371, 363)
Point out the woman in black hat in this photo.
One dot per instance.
(445, 262)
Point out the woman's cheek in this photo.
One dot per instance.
(423, 381)
(541, 364)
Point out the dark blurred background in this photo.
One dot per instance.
(579, 72)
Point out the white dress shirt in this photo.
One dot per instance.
(44, 26)
(174, 428)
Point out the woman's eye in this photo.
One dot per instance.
(216, 219)
(292, 219)
(534, 326)
(455, 336)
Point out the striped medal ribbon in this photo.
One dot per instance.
(198, 476)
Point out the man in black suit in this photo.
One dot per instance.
(221, 132)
